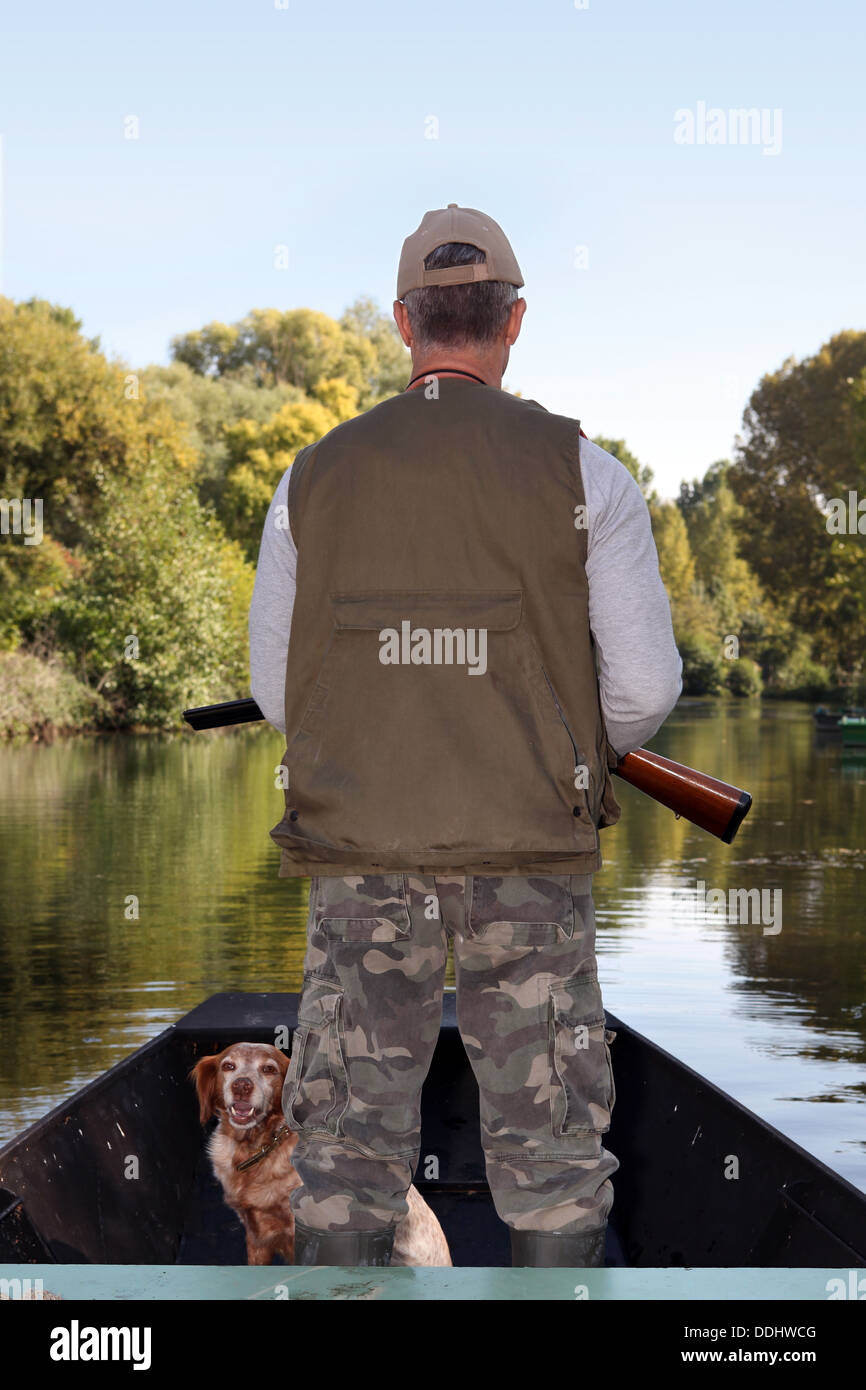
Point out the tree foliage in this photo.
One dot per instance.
(155, 614)
(259, 456)
(68, 416)
(155, 485)
(805, 444)
(301, 347)
(207, 406)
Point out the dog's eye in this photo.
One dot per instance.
(269, 1067)
(228, 1066)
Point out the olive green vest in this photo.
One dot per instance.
(442, 710)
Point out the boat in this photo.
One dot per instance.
(829, 720)
(67, 1197)
(853, 730)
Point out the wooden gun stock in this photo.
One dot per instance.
(712, 805)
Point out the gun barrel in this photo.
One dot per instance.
(216, 716)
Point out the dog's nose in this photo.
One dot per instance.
(242, 1086)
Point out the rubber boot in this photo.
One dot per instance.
(551, 1250)
(343, 1247)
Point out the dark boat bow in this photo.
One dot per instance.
(69, 1195)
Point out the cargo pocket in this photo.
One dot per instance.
(316, 1090)
(582, 1087)
(520, 911)
(363, 907)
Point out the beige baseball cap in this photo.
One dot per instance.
(456, 224)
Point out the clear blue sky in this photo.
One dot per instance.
(707, 264)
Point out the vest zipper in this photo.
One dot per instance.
(578, 761)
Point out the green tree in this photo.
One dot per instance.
(703, 670)
(68, 419)
(301, 347)
(744, 677)
(676, 561)
(714, 521)
(692, 611)
(259, 456)
(67, 416)
(207, 405)
(805, 444)
(31, 578)
(388, 372)
(156, 616)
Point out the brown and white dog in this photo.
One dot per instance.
(251, 1156)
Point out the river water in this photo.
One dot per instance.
(93, 830)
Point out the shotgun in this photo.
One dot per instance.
(712, 805)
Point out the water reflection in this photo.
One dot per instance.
(777, 1020)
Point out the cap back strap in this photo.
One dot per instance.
(457, 274)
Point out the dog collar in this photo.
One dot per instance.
(279, 1135)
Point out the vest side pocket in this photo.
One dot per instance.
(582, 1086)
(318, 700)
(586, 795)
(316, 1090)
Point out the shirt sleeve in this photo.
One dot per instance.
(271, 609)
(639, 667)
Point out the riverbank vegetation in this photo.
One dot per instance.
(132, 502)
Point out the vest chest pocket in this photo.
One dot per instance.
(363, 907)
(582, 1085)
(316, 1089)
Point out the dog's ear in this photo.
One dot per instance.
(204, 1074)
(282, 1062)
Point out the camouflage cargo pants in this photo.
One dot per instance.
(530, 1015)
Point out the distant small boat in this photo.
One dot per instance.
(830, 719)
(65, 1194)
(853, 730)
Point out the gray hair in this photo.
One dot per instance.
(443, 316)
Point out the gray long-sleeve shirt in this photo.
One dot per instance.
(639, 667)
